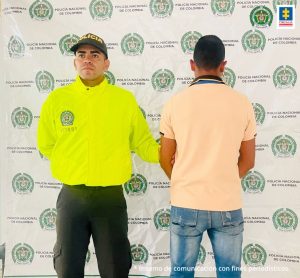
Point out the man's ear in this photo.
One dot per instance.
(106, 64)
(193, 65)
(222, 66)
(74, 64)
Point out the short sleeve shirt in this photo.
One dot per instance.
(208, 122)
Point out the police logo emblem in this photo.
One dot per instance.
(101, 9)
(136, 186)
(189, 40)
(161, 8)
(110, 77)
(254, 255)
(222, 7)
(253, 182)
(254, 41)
(41, 10)
(48, 219)
(21, 117)
(16, 47)
(44, 81)
(229, 77)
(285, 219)
(67, 118)
(202, 255)
(66, 42)
(132, 44)
(139, 254)
(259, 112)
(261, 17)
(163, 80)
(284, 146)
(162, 219)
(284, 77)
(22, 183)
(22, 253)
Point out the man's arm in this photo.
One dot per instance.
(141, 139)
(46, 132)
(247, 157)
(167, 152)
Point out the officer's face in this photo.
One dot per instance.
(90, 63)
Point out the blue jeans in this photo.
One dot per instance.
(225, 230)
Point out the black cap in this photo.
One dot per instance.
(93, 40)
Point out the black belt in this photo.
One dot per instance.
(86, 187)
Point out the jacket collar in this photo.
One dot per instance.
(90, 90)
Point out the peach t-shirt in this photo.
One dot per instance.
(208, 122)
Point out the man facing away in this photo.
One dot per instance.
(211, 130)
(87, 130)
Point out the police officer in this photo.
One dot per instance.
(87, 130)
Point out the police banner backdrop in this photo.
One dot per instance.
(150, 44)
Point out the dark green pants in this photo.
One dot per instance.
(100, 212)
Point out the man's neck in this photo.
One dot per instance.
(208, 76)
(201, 72)
(93, 83)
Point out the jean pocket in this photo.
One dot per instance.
(232, 218)
(184, 217)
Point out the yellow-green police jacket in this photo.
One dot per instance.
(88, 133)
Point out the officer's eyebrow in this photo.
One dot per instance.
(92, 51)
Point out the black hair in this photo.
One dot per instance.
(209, 52)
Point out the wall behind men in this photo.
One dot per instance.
(150, 44)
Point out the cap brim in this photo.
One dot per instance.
(77, 45)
